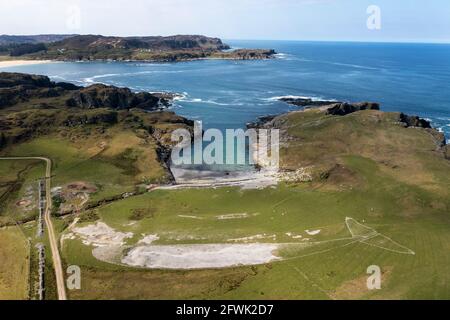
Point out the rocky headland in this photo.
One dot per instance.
(33, 106)
(107, 48)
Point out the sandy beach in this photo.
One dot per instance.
(16, 63)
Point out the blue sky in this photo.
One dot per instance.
(401, 20)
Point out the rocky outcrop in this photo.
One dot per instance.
(414, 121)
(101, 96)
(38, 106)
(17, 88)
(342, 109)
(9, 80)
(331, 107)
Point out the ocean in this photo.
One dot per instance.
(410, 78)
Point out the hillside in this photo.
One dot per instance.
(320, 139)
(125, 134)
(40, 38)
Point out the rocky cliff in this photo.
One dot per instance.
(17, 89)
(33, 105)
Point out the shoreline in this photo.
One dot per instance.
(23, 62)
(18, 63)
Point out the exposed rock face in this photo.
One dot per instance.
(342, 109)
(332, 107)
(414, 121)
(99, 95)
(38, 106)
(8, 80)
(17, 88)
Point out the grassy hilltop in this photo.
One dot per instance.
(387, 172)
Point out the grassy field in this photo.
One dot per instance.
(14, 264)
(72, 163)
(389, 178)
(365, 166)
(18, 179)
(337, 273)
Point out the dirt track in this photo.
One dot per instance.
(48, 221)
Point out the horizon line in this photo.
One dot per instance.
(404, 41)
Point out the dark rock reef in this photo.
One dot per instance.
(306, 102)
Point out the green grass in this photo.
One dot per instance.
(16, 177)
(338, 272)
(14, 264)
(389, 178)
(71, 164)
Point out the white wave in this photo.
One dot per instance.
(282, 56)
(342, 64)
(149, 64)
(107, 75)
(184, 97)
(350, 65)
(56, 77)
(199, 100)
(180, 96)
(152, 72)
